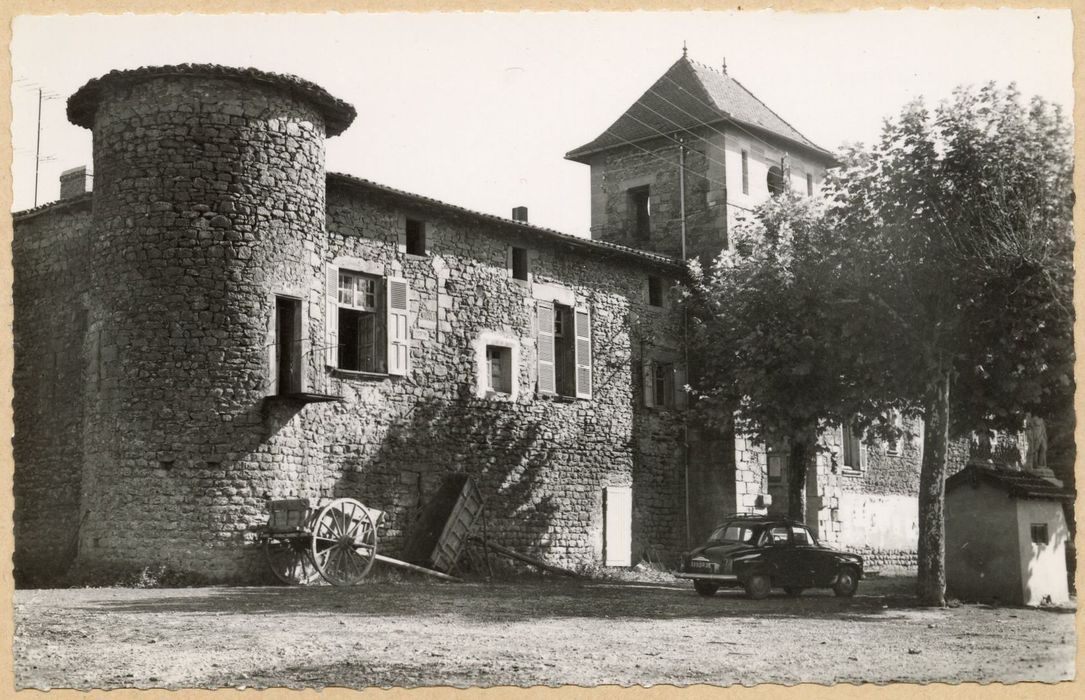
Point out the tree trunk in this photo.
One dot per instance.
(798, 462)
(931, 555)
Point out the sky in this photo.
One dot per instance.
(479, 109)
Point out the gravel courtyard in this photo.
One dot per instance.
(522, 632)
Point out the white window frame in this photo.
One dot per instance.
(488, 339)
(390, 305)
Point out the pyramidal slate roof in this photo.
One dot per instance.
(690, 94)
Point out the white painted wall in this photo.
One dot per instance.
(763, 155)
(1043, 567)
(878, 522)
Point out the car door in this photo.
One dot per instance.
(806, 557)
(778, 554)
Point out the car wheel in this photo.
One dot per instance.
(793, 591)
(705, 588)
(847, 582)
(758, 586)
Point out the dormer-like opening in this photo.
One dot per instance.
(775, 181)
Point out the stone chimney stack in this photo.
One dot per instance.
(519, 214)
(74, 182)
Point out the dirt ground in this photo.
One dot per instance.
(525, 632)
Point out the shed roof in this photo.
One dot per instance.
(1019, 484)
(689, 95)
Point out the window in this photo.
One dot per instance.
(641, 206)
(520, 267)
(777, 465)
(499, 369)
(367, 322)
(416, 237)
(852, 448)
(655, 291)
(745, 172)
(361, 346)
(564, 350)
(895, 446)
(800, 535)
(1039, 533)
(809, 184)
(664, 385)
(288, 355)
(775, 180)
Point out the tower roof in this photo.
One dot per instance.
(688, 95)
(337, 114)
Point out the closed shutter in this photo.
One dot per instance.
(648, 375)
(583, 354)
(618, 525)
(545, 333)
(331, 318)
(399, 344)
(681, 398)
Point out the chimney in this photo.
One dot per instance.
(74, 182)
(519, 214)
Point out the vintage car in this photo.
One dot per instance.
(762, 552)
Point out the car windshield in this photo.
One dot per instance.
(733, 532)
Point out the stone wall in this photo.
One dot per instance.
(51, 356)
(210, 204)
(655, 164)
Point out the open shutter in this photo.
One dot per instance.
(648, 375)
(583, 354)
(545, 315)
(681, 398)
(399, 344)
(862, 454)
(331, 318)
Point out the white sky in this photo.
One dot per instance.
(478, 109)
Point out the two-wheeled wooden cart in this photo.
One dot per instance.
(337, 540)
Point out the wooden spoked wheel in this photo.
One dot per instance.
(291, 560)
(344, 542)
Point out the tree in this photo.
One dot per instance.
(764, 331)
(958, 227)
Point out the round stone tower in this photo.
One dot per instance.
(208, 213)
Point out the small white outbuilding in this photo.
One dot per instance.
(1006, 535)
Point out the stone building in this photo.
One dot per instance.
(220, 321)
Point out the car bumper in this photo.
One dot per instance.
(705, 577)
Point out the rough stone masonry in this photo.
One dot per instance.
(152, 418)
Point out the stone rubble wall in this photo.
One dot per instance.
(49, 288)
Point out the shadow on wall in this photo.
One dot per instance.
(516, 462)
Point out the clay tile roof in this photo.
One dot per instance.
(673, 265)
(1020, 484)
(690, 94)
(337, 114)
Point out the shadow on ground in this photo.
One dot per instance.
(534, 600)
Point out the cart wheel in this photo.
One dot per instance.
(344, 542)
(290, 560)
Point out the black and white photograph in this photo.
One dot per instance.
(595, 349)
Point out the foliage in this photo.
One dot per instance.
(959, 228)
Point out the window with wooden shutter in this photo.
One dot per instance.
(545, 335)
(648, 374)
(398, 326)
(331, 318)
(583, 354)
(681, 398)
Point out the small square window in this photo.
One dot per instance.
(416, 237)
(777, 464)
(1039, 533)
(519, 264)
(499, 369)
(655, 291)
